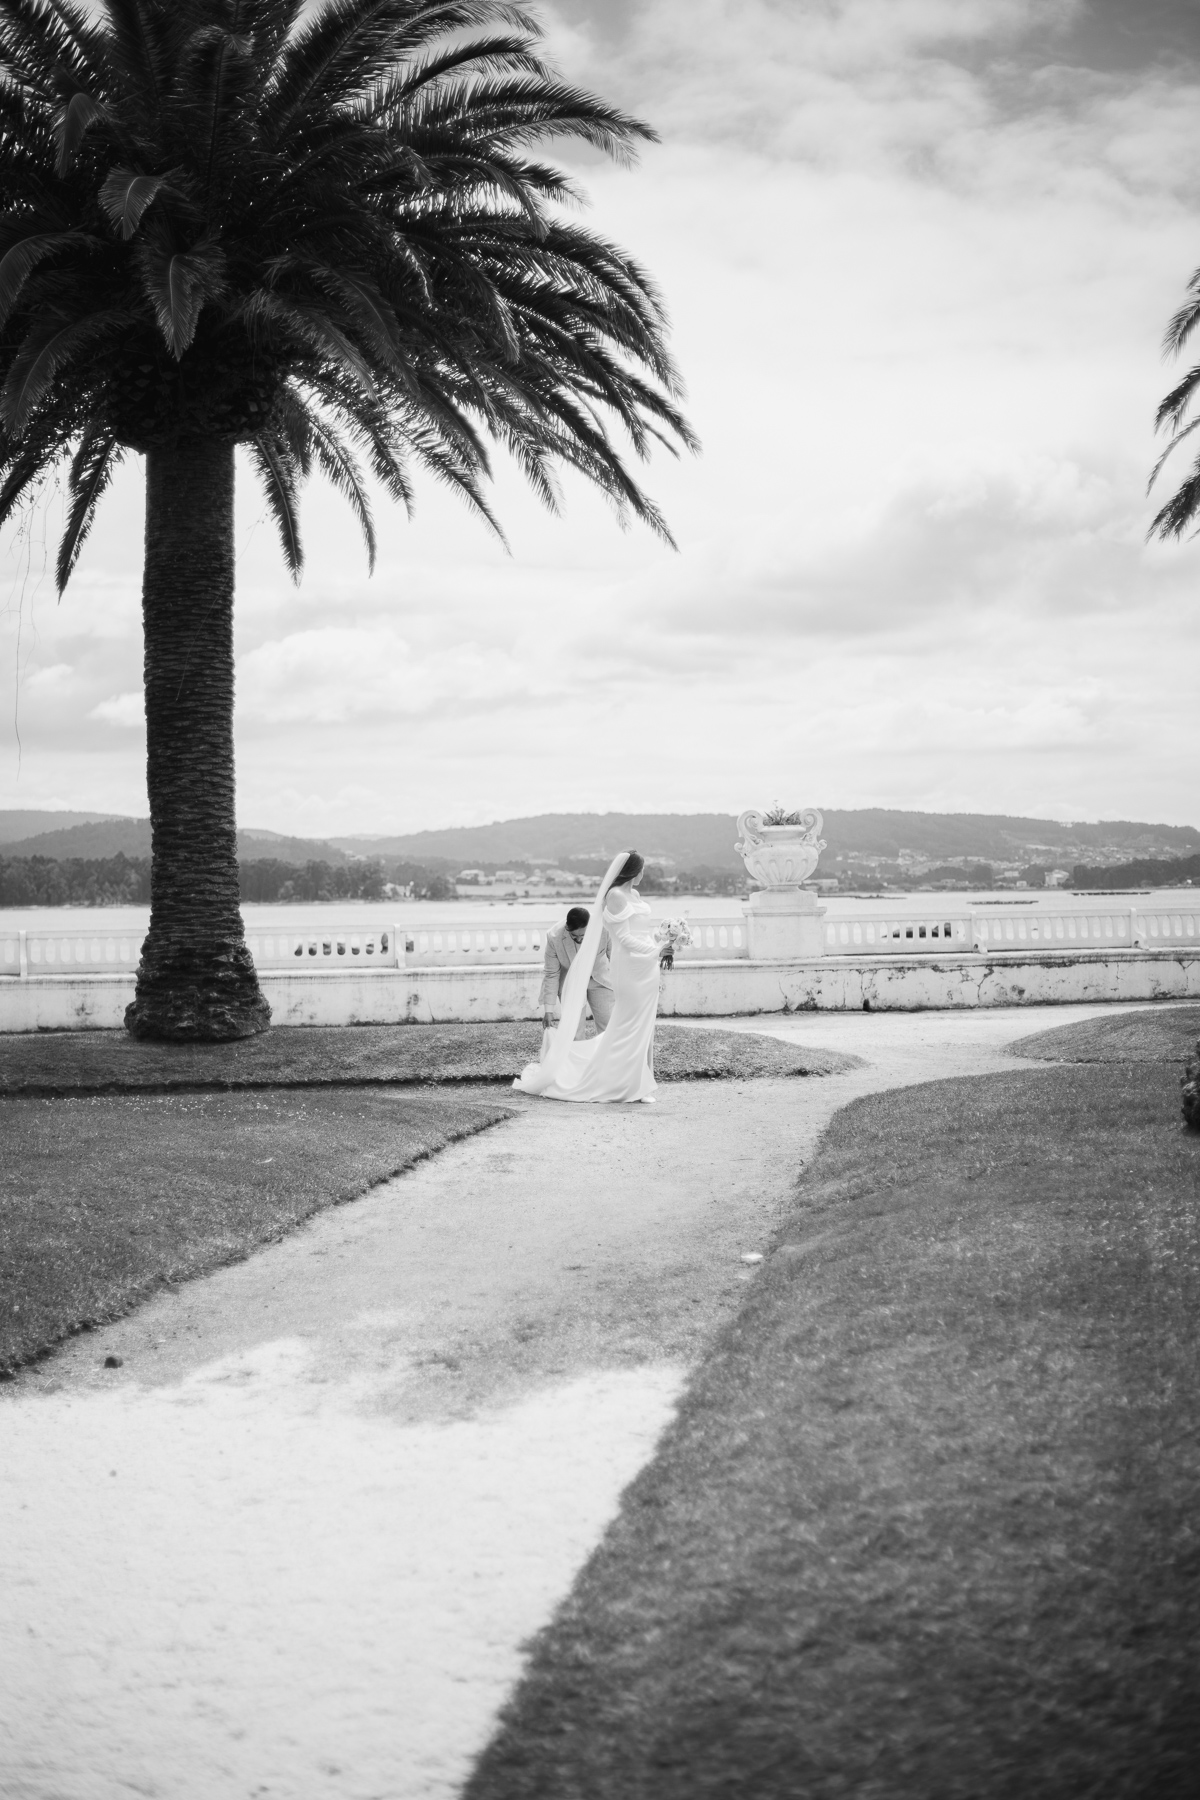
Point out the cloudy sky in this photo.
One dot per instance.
(918, 255)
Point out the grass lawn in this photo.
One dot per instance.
(1163, 1034)
(104, 1199)
(324, 1056)
(926, 1527)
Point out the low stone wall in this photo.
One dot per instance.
(915, 984)
(690, 990)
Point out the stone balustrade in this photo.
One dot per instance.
(1110, 925)
(872, 934)
(1162, 926)
(69, 952)
(873, 928)
(78, 952)
(441, 945)
(332, 947)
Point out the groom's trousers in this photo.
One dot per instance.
(600, 999)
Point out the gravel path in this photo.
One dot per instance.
(292, 1543)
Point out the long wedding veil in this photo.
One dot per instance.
(574, 993)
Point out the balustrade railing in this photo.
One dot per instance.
(869, 935)
(715, 940)
(439, 946)
(1110, 928)
(442, 945)
(62, 952)
(874, 932)
(116, 952)
(330, 948)
(1107, 927)
(1160, 925)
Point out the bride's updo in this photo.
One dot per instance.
(629, 870)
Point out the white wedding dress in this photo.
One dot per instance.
(615, 1065)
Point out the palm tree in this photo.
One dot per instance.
(1181, 509)
(329, 236)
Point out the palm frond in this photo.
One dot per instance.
(51, 348)
(24, 470)
(350, 44)
(278, 475)
(91, 474)
(1184, 321)
(1172, 409)
(177, 285)
(337, 463)
(75, 120)
(19, 263)
(365, 316)
(125, 197)
(477, 55)
(39, 44)
(1176, 440)
(1181, 510)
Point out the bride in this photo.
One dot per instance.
(616, 1064)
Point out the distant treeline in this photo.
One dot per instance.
(1177, 872)
(692, 881)
(125, 881)
(79, 881)
(269, 879)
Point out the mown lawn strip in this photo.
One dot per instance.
(353, 1056)
(1162, 1034)
(926, 1526)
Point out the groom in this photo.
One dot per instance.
(562, 945)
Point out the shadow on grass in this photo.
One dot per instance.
(925, 1528)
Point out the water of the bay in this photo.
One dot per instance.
(369, 915)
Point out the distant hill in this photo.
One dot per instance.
(252, 843)
(879, 831)
(27, 822)
(689, 839)
(96, 838)
(693, 841)
(705, 840)
(131, 837)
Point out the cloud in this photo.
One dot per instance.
(126, 711)
(49, 678)
(1059, 543)
(934, 89)
(337, 675)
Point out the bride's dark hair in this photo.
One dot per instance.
(629, 870)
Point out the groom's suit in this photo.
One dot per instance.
(561, 951)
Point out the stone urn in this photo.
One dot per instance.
(782, 915)
(779, 857)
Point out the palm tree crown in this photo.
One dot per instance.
(328, 237)
(326, 234)
(1173, 519)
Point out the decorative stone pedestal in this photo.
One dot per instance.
(783, 924)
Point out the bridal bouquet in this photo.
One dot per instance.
(669, 936)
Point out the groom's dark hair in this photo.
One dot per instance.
(577, 918)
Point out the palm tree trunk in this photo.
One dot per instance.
(196, 978)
